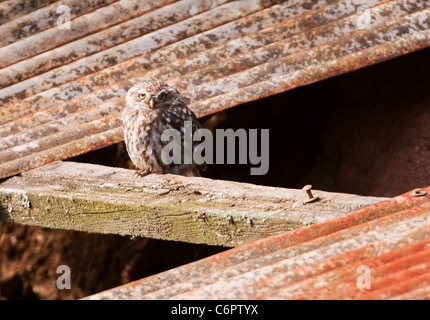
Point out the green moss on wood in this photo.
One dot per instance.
(107, 200)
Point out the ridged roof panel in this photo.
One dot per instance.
(62, 90)
(378, 252)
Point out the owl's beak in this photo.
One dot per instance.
(151, 103)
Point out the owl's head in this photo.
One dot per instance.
(152, 94)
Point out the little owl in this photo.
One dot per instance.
(152, 107)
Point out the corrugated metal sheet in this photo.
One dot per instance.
(62, 90)
(391, 239)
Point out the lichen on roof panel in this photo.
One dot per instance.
(71, 82)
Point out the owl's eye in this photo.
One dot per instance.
(162, 95)
(141, 96)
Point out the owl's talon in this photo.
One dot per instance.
(203, 167)
(142, 173)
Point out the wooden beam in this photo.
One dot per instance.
(94, 198)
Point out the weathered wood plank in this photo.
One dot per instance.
(93, 198)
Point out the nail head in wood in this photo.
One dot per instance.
(307, 188)
(418, 192)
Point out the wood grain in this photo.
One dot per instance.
(94, 198)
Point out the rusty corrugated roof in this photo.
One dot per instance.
(61, 90)
(391, 239)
